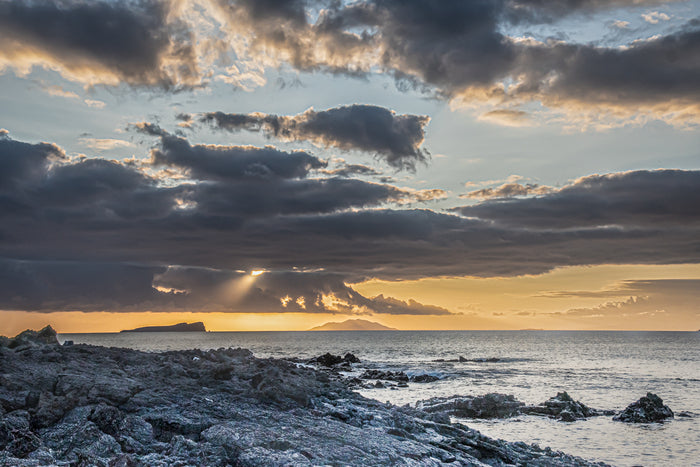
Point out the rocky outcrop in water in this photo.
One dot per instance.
(93, 406)
(491, 405)
(648, 409)
(561, 407)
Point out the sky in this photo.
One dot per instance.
(278, 164)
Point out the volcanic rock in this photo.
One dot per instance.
(563, 407)
(491, 405)
(648, 409)
(97, 406)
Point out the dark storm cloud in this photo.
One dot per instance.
(274, 292)
(636, 199)
(395, 138)
(101, 42)
(24, 162)
(232, 162)
(46, 286)
(74, 286)
(96, 211)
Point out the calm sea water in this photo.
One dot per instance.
(605, 370)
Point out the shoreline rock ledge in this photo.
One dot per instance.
(83, 405)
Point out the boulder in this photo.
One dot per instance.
(648, 409)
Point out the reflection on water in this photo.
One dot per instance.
(605, 370)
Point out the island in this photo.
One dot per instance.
(180, 327)
(353, 325)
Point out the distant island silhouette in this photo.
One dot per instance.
(180, 327)
(353, 325)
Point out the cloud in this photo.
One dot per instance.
(509, 190)
(507, 117)
(618, 24)
(343, 169)
(394, 138)
(655, 16)
(99, 211)
(461, 51)
(95, 103)
(132, 42)
(455, 50)
(232, 162)
(46, 286)
(635, 199)
(55, 90)
(104, 144)
(74, 286)
(659, 303)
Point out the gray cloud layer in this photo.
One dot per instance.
(395, 138)
(669, 198)
(454, 48)
(58, 213)
(47, 286)
(461, 50)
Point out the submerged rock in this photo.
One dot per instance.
(648, 409)
(397, 376)
(96, 406)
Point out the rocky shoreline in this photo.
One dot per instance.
(82, 405)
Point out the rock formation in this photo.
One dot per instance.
(95, 406)
(648, 409)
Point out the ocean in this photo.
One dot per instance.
(602, 369)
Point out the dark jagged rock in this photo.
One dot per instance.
(180, 327)
(491, 405)
(648, 409)
(425, 378)
(330, 360)
(351, 358)
(563, 407)
(29, 338)
(96, 406)
(385, 375)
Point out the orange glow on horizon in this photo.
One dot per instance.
(480, 303)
